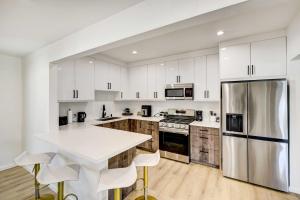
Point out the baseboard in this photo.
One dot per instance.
(8, 166)
(294, 190)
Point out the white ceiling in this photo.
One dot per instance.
(26, 25)
(252, 17)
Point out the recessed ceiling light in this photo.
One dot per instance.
(134, 52)
(223, 49)
(91, 62)
(219, 33)
(162, 64)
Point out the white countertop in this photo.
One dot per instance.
(152, 119)
(95, 144)
(206, 124)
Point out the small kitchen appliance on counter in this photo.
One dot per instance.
(126, 112)
(146, 110)
(199, 115)
(63, 120)
(81, 116)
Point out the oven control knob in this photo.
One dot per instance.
(186, 127)
(182, 126)
(177, 126)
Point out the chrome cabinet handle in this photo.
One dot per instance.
(252, 69)
(77, 94)
(248, 69)
(73, 94)
(179, 79)
(121, 95)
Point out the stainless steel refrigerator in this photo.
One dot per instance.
(255, 136)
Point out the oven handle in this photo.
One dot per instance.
(168, 131)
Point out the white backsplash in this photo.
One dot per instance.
(94, 108)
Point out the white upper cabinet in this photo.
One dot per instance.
(84, 76)
(107, 76)
(207, 81)
(268, 58)
(123, 84)
(65, 81)
(138, 82)
(212, 78)
(171, 72)
(200, 78)
(75, 80)
(156, 77)
(257, 60)
(181, 71)
(235, 61)
(101, 75)
(186, 70)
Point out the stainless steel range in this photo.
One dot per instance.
(174, 134)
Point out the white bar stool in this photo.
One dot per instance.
(117, 179)
(26, 159)
(54, 174)
(146, 160)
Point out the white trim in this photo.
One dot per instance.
(254, 38)
(294, 190)
(190, 54)
(7, 166)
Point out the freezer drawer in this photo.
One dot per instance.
(235, 157)
(268, 164)
(267, 109)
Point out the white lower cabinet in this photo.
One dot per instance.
(75, 80)
(156, 77)
(137, 82)
(207, 81)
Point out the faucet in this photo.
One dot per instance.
(103, 111)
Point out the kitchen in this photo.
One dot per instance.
(214, 111)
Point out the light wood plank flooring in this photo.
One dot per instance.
(169, 180)
(17, 184)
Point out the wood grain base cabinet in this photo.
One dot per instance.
(119, 161)
(205, 145)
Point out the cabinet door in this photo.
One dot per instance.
(234, 62)
(186, 70)
(114, 77)
(171, 72)
(101, 75)
(160, 81)
(151, 81)
(65, 81)
(212, 78)
(200, 78)
(268, 57)
(123, 83)
(156, 81)
(84, 79)
(138, 82)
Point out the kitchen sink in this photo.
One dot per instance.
(108, 118)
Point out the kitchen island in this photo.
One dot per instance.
(91, 147)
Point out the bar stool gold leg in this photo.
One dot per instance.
(60, 191)
(37, 195)
(117, 194)
(146, 196)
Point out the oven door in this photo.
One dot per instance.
(174, 143)
(175, 93)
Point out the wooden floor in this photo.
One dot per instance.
(168, 181)
(17, 184)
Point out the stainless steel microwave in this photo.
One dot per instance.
(179, 91)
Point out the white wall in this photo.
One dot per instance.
(10, 109)
(293, 46)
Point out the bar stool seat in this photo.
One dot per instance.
(59, 174)
(25, 159)
(53, 174)
(117, 179)
(146, 160)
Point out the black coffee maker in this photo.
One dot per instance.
(81, 116)
(199, 116)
